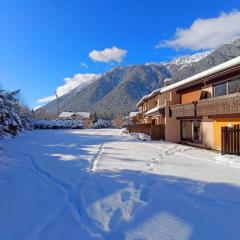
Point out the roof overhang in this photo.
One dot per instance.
(207, 75)
(146, 97)
(155, 111)
(219, 69)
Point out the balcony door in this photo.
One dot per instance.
(191, 131)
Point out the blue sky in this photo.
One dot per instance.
(44, 42)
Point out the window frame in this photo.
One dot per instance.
(234, 79)
(214, 88)
(227, 86)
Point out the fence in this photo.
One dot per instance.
(156, 132)
(231, 140)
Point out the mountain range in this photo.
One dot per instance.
(118, 90)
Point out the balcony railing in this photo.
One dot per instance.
(183, 110)
(227, 104)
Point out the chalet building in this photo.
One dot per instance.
(72, 115)
(194, 110)
(84, 116)
(134, 117)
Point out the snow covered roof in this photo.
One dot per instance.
(133, 114)
(156, 109)
(153, 93)
(219, 68)
(75, 114)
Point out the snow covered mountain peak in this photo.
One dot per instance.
(185, 60)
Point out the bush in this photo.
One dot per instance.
(102, 123)
(58, 124)
(10, 122)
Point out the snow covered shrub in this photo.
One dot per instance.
(102, 123)
(143, 137)
(124, 131)
(139, 136)
(10, 122)
(26, 117)
(118, 121)
(14, 117)
(58, 124)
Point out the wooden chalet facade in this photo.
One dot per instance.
(195, 109)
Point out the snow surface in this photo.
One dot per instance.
(99, 184)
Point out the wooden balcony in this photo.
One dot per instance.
(183, 110)
(227, 104)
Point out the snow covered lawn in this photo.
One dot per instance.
(97, 184)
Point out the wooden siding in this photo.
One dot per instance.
(190, 96)
(183, 110)
(227, 104)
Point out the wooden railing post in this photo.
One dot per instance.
(222, 141)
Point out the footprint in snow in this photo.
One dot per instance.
(153, 169)
(150, 164)
(125, 196)
(145, 190)
(151, 183)
(144, 193)
(156, 160)
(115, 219)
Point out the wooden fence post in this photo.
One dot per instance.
(230, 140)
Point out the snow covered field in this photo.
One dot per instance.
(97, 184)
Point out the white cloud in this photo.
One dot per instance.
(83, 65)
(46, 99)
(206, 33)
(78, 80)
(37, 107)
(113, 54)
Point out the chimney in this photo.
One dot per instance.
(167, 81)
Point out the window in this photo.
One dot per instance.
(220, 89)
(186, 130)
(234, 86)
(191, 131)
(196, 130)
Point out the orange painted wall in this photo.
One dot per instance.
(188, 97)
(217, 124)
